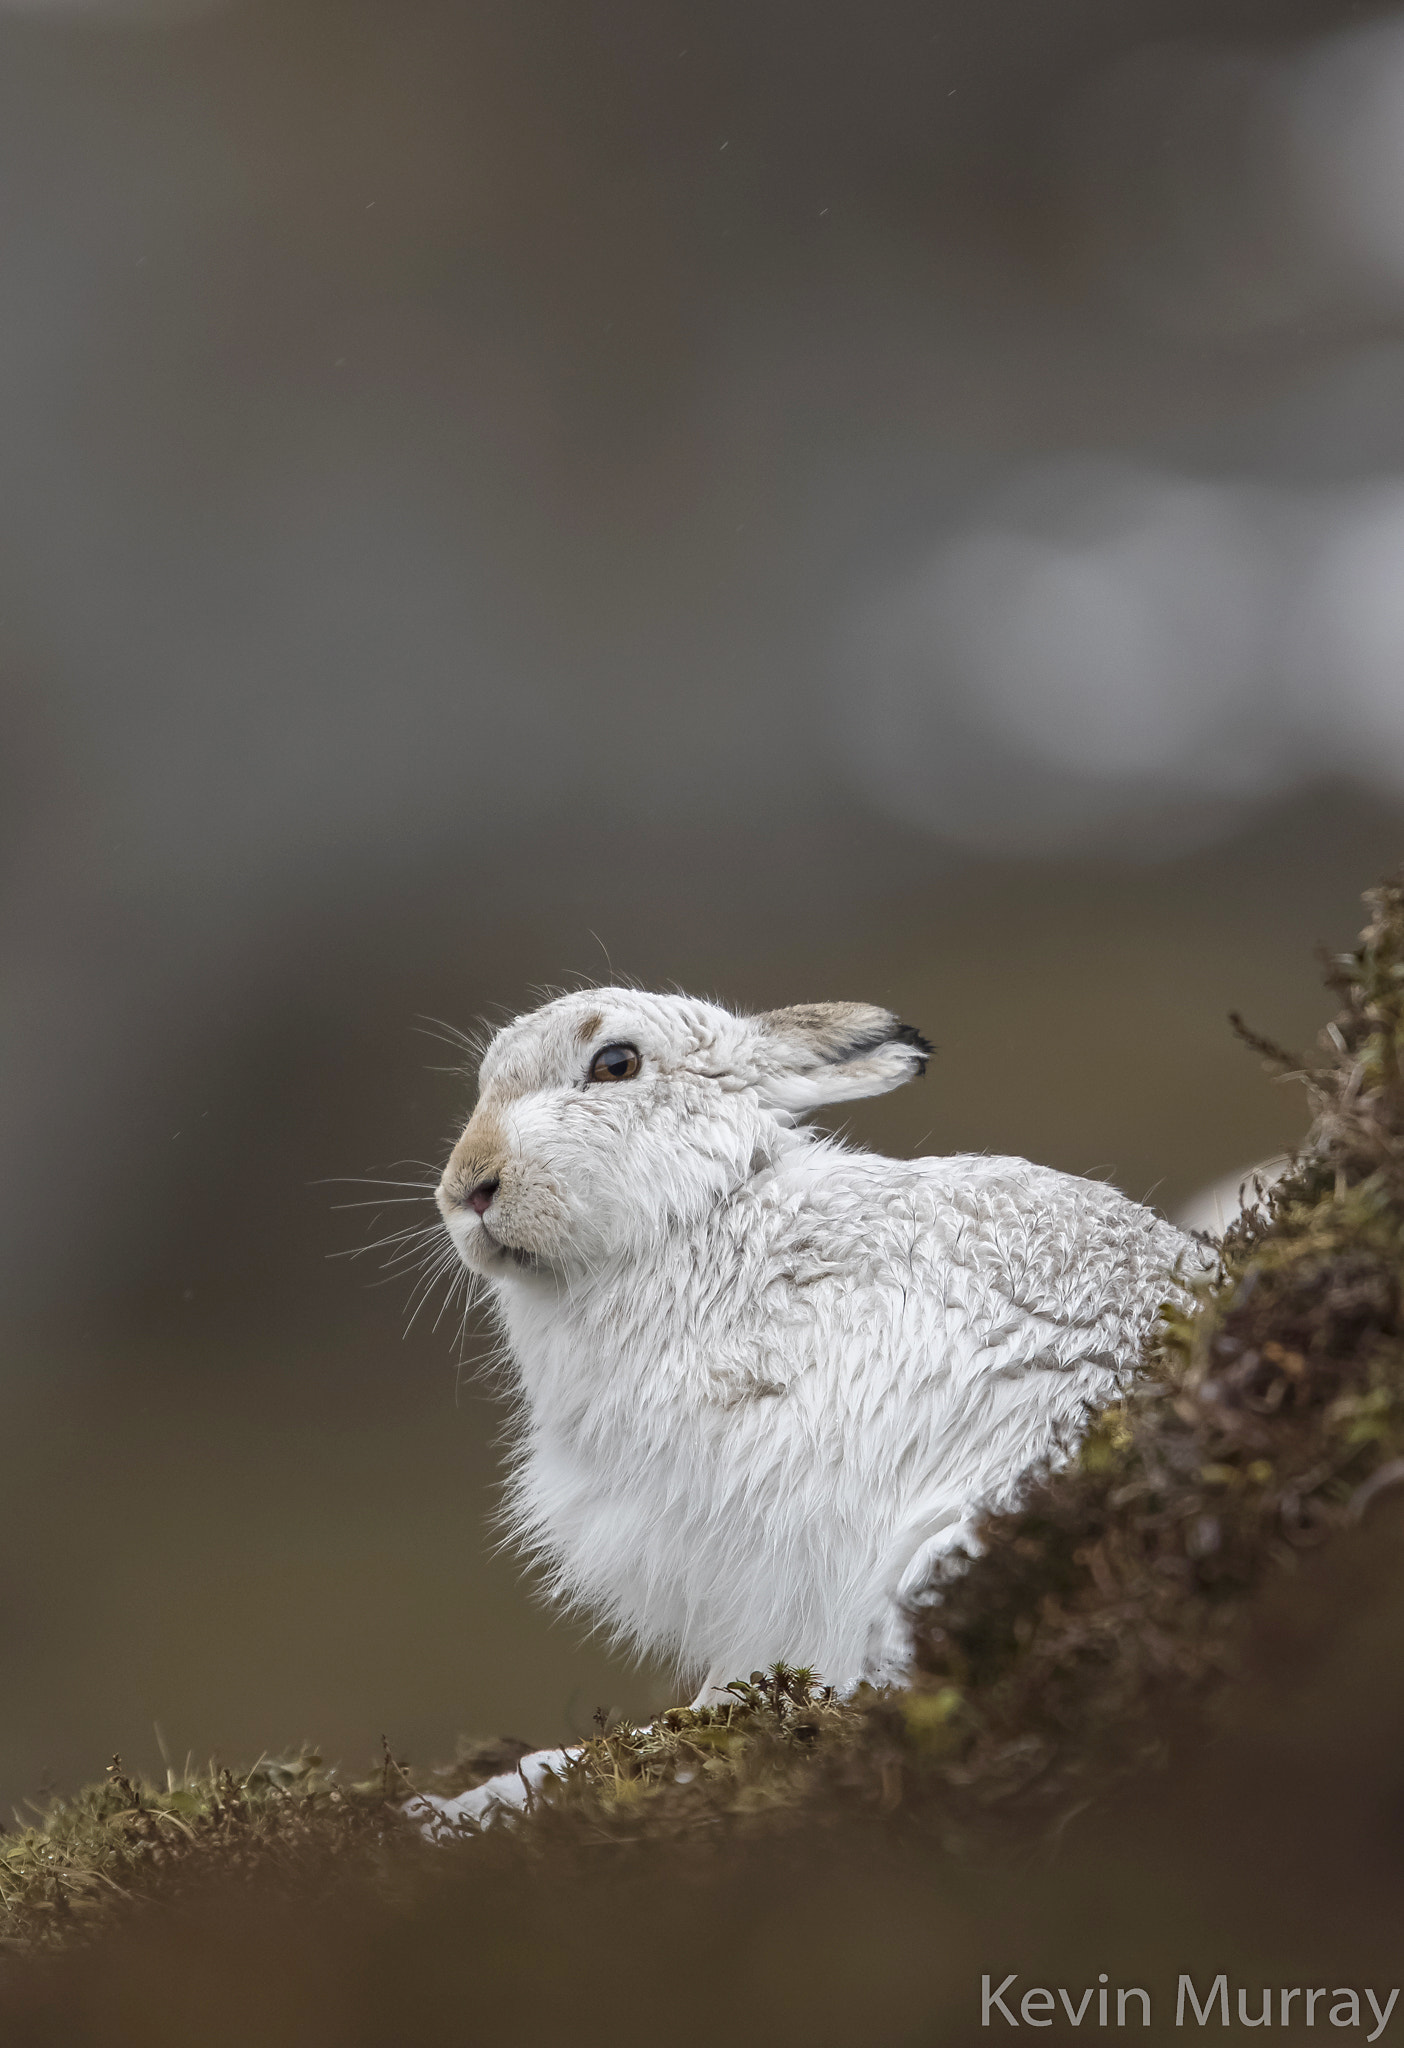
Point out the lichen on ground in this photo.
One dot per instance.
(1090, 1635)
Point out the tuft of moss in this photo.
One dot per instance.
(129, 1842)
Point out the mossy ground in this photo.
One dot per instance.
(1089, 1638)
(126, 1838)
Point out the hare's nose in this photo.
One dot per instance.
(480, 1197)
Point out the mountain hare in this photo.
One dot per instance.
(766, 1380)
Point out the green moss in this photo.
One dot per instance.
(127, 1840)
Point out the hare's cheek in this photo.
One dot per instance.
(533, 1216)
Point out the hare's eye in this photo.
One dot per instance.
(615, 1063)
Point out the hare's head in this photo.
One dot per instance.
(609, 1117)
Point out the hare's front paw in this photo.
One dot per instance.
(498, 1799)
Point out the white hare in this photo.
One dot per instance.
(767, 1379)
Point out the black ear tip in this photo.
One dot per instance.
(907, 1034)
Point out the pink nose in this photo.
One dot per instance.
(480, 1199)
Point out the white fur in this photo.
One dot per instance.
(766, 1379)
(500, 1798)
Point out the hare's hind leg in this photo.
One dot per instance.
(911, 1586)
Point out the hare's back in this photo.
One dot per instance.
(1005, 1232)
(1056, 1246)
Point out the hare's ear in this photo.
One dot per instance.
(816, 1053)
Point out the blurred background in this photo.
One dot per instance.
(901, 502)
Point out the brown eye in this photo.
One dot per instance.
(615, 1063)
